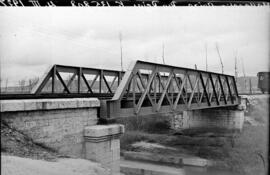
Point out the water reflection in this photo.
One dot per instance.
(146, 168)
(191, 170)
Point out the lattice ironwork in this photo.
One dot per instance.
(145, 88)
(148, 88)
(61, 79)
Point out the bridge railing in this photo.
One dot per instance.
(148, 88)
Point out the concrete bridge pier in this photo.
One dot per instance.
(102, 145)
(209, 118)
(221, 118)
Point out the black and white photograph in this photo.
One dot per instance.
(152, 88)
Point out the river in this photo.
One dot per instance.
(146, 168)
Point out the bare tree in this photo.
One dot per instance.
(206, 62)
(121, 50)
(0, 84)
(32, 82)
(22, 84)
(220, 59)
(244, 73)
(235, 69)
(6, 84)
(163, 53)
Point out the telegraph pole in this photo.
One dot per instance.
(163, 48)
(250, 86)
(235, 69)
(206, 63)
(220, 59)
(121, 50)
(244, 72)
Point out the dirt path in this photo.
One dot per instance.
(12, 165)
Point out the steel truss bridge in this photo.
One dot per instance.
(145, 88)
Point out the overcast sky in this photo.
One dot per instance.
(31, 39)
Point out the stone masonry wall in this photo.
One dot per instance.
(56, 125)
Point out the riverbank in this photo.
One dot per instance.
(244, 153)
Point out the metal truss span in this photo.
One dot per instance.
(149, 88)
(145, 88)
(60, 79)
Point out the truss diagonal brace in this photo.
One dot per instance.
(214, 88)
(192, 93)
(179, 94)
(164, 92)
(144, 87)
(145, 92)
(62, 81)
(230, 92)
(88, 86)
(222, 90)
(205, 90)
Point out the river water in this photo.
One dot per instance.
(146, 168)
(191, 170)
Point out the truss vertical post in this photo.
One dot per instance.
(79, 79)
(119, 77)
(134, 82)
(235, 86)
(100, 80)
(222, 89)
(229, 88)
(53, 78)
(155, 90)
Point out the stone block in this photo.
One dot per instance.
(195, 161)
(47, 104)
(115, 144)
(102, 145)
(116, 154)
(103, 130)
(11, 105)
